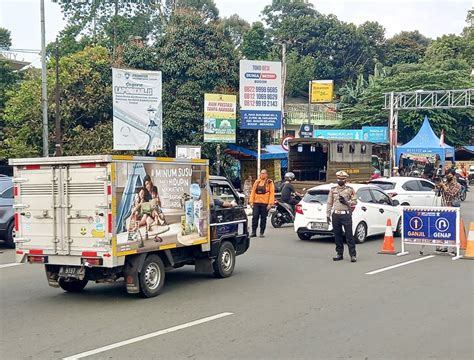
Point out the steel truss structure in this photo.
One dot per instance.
(436, 99)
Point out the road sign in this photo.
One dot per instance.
(284, 143)
(306, 131)
(435, 226)
(322, 91)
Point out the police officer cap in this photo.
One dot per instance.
(342, 174)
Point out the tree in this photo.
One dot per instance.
(368, 109)
(406, 47)
(255, 43)
(5, 38)
(450, 47)
(235, 27)
(299, 70)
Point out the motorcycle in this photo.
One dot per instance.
(282, 213)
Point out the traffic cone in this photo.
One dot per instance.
(469, 253)
(387, 247)
(462, 234)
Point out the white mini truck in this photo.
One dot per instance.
(106, 217)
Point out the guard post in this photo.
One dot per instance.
(431, 226)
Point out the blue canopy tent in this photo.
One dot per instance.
(425, 143)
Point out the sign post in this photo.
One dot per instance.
(260, 97)
(431, 226)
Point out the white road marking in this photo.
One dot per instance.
(147, 336)
(398, 265)
(9, 265)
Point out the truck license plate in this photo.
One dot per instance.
(319, 226)
(76, 272)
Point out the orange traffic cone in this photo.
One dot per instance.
(462, 234)
(469, 253)
(387, 247)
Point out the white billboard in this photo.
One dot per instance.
(137, 107)
(260, 94)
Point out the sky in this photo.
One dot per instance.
(432, 18)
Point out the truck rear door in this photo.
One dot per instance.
(62, 209)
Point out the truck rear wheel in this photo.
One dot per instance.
(225, 262)
(10, 243)
(73, 285)
(152, 276)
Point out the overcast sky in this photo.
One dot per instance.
(432, 18)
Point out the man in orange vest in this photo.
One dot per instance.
(261, 200)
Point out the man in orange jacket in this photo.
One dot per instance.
(261, 200)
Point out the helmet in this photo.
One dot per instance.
(342, 175)
(289, 176)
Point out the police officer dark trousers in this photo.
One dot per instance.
(340, 200)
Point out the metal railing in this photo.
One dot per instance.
(320, 114)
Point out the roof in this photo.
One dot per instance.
(425, 142)
(269, 152)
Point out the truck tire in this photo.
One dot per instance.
(225, 262)
(152, 276)
(276, 220)
(73, 285)
(9, 243)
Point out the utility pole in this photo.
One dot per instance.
(58, 134)
(283, 83)
(44, 94)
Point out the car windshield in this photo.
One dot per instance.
(316, 196)
(384, 185)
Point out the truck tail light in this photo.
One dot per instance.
(32, 167)
(109, 189)
(299, 209)
(91, 261)
(38, 259)
(17, 221)
(15, 191)
(109, 223)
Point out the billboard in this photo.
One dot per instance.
(160, 205)
(137, 110)
(322, 91)
(220, 118)
(260, 94)
(375, 134)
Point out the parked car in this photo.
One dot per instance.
(409, 191)
(6, 211)
(369, 216)
(471, 173)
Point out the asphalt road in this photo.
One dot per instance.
(287, 299)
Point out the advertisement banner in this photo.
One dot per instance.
(322, 91)
(375, 134)
(188, 152)
(260, 94)
(220, 118)
(347, 134)
(435, 226)
(137, 110)
(160, 205)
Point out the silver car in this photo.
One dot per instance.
(6, 211)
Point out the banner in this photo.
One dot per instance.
(188, 152)
(137, 110)
(322, 91)
(374, 134)
(219, 118)
(260, 94)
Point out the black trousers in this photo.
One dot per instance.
(259, 212)
(339, 221)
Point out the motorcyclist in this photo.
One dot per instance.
(288, 191)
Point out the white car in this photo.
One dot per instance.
(409, 191)
(471, 173)
(369, 216)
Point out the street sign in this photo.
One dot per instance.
(260, 94)
(435, 226)
(322, 91)
(306, 131)
(339, 134)
(284, 143)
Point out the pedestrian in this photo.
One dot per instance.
(261, 200)
(248, 189)
(449, 192)
(341, 199)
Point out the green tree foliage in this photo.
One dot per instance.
(451, 47)
(235, 27)
(298, 70)
(86, 107)
(255, 43)
(368, 108)
(406, 47)
(5, 38)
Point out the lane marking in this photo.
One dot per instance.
(147, 336)
(398, 265)
(9, 265)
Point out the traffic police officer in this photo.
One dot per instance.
(340, 200)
